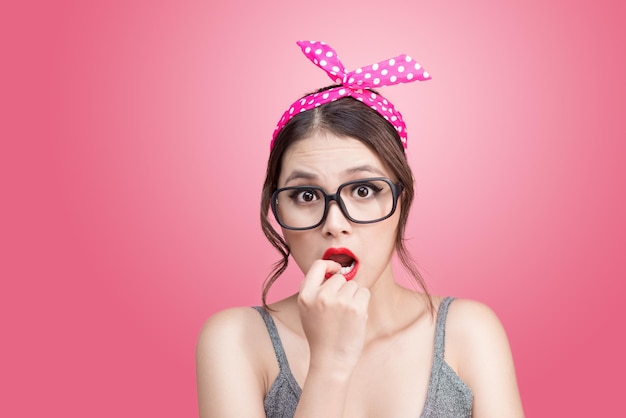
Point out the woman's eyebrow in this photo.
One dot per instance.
(366, 167)
(297, 174)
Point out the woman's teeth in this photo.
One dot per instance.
(348, 269)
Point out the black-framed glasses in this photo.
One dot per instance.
(361, 201)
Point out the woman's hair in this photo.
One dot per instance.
(345, 117)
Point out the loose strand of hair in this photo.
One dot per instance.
(410, 266)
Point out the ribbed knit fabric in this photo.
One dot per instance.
(447, 397)
(283, 396)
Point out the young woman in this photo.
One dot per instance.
(352, 342)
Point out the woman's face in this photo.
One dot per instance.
(328, 161)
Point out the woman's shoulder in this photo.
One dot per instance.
(245, 323)
(232, 354)
(235, 336)
(472, 321)
(477, 347)
(232, 325)
(233, 343)
(474, 327)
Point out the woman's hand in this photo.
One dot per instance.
(334, 315)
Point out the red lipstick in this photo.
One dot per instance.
(349, 262)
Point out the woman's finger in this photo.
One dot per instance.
(317, 273)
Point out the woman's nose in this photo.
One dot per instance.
(336, 222)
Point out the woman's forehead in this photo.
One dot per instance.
(323, 155)
(323, 145)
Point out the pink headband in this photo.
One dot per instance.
(401, 69)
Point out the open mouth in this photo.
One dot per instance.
(343, 256)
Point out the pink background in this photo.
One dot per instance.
(133, 141)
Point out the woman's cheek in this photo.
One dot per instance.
(299, 253)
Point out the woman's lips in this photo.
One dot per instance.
(343, 256)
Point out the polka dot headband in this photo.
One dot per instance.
(401, 69)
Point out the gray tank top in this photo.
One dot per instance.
(447, 397)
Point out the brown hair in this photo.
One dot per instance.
(346, 117)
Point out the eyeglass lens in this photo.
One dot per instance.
(366, 200)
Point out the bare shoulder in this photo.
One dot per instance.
(473, 331)
(473, 321)
(477, 347)
(233, 334)
(230, 325)
(230, 364)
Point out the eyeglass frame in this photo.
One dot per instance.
(396, 191)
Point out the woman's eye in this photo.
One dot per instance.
(363, 191)
(304, 196)
(307, 196)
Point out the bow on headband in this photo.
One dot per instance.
(401, 69)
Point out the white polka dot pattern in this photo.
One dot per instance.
(401, 69)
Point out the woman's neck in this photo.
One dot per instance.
(392, 307)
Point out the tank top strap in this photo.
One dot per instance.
(447, 394)
(438, 355)
(275, 338)
(440, 328)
